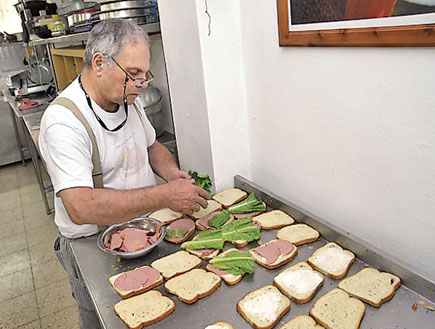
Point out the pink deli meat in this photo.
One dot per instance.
(271, 251)
(216, 270)
(251, 214)
(136, 279)
(183, 224)
(129, 239)
(204, 221)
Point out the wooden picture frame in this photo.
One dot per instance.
(422, 35)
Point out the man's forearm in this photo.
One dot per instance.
(107, 206)
(161, 160)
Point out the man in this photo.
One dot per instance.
(116, 67)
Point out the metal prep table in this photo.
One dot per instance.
(97, 267)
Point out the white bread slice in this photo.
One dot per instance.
(298, 234)
(371, 286)
(212, 205)
(273, 219)
(263, 307)
(128, 293)
(282, 259)
(337, 310)
(176, 263)
(191, 286)
(229, 279)
(220, 325)
(230, 196)
(165, 215)
(299, 282)
(144, 310)
(240, 243)
(332, 260)
(301, 322)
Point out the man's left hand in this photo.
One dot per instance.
(176, 174)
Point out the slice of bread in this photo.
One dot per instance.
(187, 223)
(220, 325)
(229, 278)
(165, 215)
(191, 286)
(332, 260)
(263, 307)
(301, 322)
(371, 286)
(212, 206)
(176, 263)
(128, 293)
(337, 310)
(230, 196)
(298, 234)
(240, 243)
(273, 219)
(282, 259)
(145, 309)
(299, 282)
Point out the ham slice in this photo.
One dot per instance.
(184, 224)
(116, 241)
(136, 279)
(271, 251)
(250, 214)
(217, 271)
(129, 239)
(205, 252)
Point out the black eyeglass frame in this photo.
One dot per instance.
(139, 80)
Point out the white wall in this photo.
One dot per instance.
(345, 133)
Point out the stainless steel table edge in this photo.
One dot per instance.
(366, 252)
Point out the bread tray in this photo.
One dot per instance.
(144, 223)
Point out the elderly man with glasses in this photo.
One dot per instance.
(99, 115)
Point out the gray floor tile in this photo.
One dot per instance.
(42, 235)
(13, 243)
(36, 221)
(14, 262)
(42, 253)
(33, 209)
(67, 318)
(10, 215)
(32, 325)
(54, 297)
(9, 170)
(12, 202)
(12, 316)
(48, 273)
(16, 284)
(13, 228)
(30, 194)
(8, 184)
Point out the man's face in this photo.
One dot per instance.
(135, 60)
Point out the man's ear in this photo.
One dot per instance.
(97, 64)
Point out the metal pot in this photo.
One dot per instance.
(152, 100)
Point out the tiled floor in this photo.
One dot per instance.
(34, 289)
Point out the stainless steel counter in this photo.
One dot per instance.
(97, 267)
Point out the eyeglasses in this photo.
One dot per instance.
(139, 81)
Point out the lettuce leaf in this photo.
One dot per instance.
(235, 262)
(211, 239)
(250, 204)
(241, 229)
(219, 219)
(201, 180)
(171, 234)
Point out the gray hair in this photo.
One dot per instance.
(110, 36)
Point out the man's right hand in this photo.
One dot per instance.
(186, 197)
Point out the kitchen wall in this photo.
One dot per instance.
(345, 133)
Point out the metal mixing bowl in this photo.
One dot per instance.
(143, 223)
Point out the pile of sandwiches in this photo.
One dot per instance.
(183, 275)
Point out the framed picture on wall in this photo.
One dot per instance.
(356, 23)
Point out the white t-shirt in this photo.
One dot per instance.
(67, 151)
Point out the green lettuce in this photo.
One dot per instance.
(172, 234)
(201, 180)
(219, 219)
(235, 262)
(250, 204)
(211, 239)
(241, 229)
